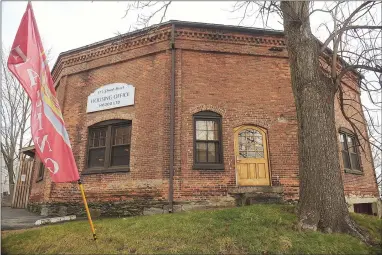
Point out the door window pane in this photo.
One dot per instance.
(250, 144)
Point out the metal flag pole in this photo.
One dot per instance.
(87, 210)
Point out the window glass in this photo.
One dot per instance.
(97, 138)
(207, 141)
(346, 159)
(41, 170)
(120, 155)
(201, 152)
(351, 144)
(97, 157)
(212, 149)
(109, 144)
(121, 135)
(251, 144)
(350, 152)
(343, 143)
(354, 161)
(206, 131)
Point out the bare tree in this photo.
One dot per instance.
(15, 113)
(351, 51)
(376, 153)
(318, 76)
(322, 202)
(143, 20)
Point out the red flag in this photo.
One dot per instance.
(27, 61)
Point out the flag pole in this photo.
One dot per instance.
(87, 210)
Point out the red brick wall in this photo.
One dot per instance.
(38, 187)
(244, 89)
(149, 115)
(233, 74)
(363, 185)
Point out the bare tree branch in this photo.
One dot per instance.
(15, 113)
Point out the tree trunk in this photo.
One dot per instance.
(322, 201)
(10, 177)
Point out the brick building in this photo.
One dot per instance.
(219, 95)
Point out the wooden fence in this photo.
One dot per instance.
(23, 183)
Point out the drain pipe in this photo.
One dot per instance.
(172, 123)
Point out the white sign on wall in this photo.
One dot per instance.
(111, 96)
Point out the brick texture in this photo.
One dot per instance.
(231, 73)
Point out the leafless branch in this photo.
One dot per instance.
(15, 113)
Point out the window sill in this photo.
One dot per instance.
(208, 167)
(88, 171)
(39, 179)
(352, 171)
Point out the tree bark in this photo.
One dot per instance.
(11, 175)
(322, 203)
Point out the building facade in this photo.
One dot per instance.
(220, 96)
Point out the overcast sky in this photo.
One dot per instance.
(71, 24)
(65, 25)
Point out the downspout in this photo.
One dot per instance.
(172, 122)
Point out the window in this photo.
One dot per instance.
(350, 152)
(208, 152)
(109, 146)
(365, 208)
(250, 144)
(40, 175)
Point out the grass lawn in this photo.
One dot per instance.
(251, 229)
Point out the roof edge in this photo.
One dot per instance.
(253, 30)
(167, 23)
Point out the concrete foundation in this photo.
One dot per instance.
(375, 202)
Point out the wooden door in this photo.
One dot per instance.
(23, 183)
(251, 156)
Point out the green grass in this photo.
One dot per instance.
(253, 229)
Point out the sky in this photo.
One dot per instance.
(65, 25)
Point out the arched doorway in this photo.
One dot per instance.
(251, 156)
